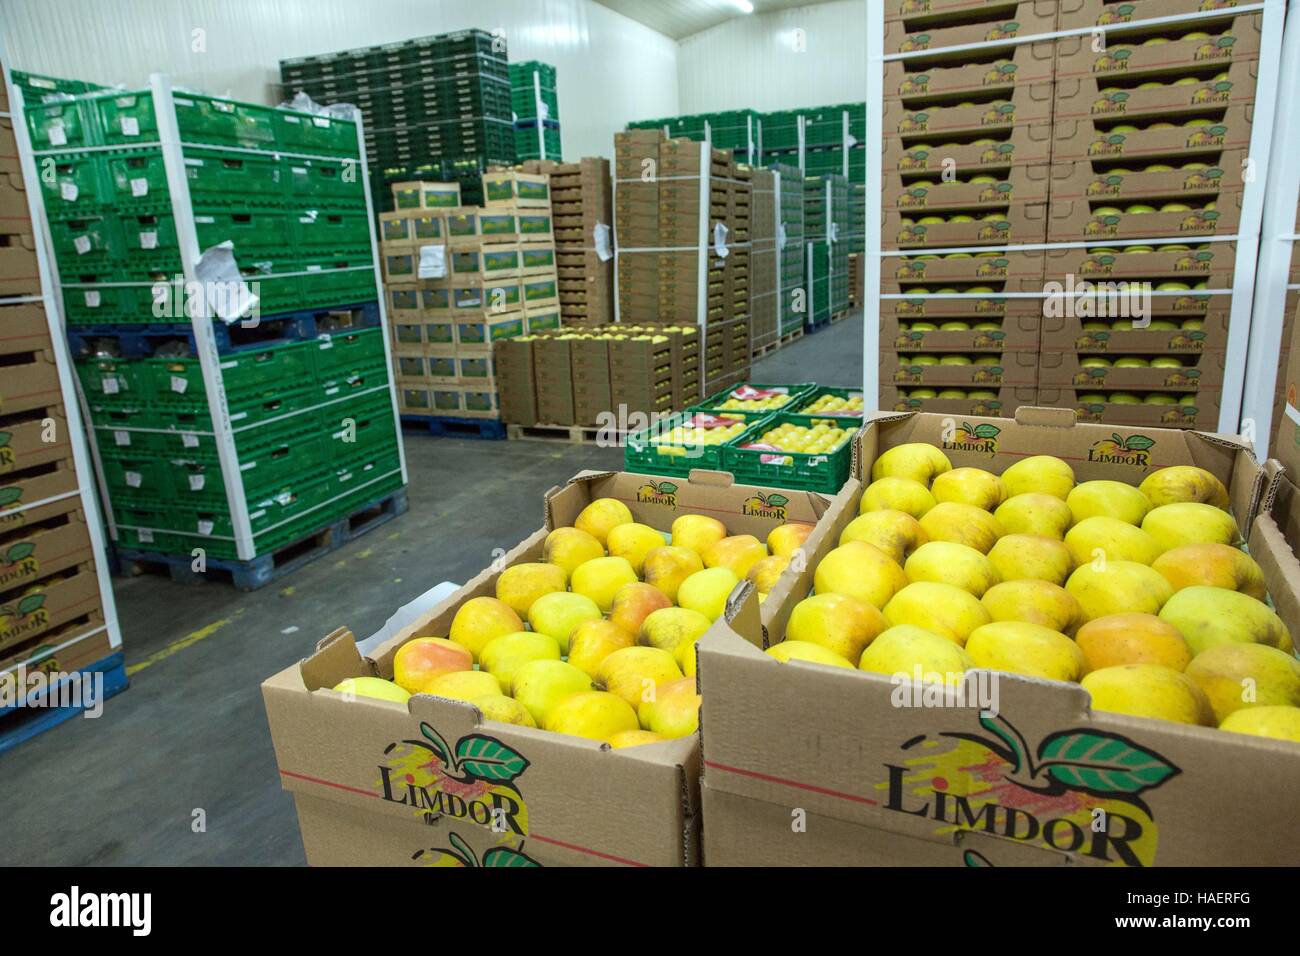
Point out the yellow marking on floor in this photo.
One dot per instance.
(395, 534)
(366, 553)
(341, 563)
(188, 640)
(288, 592)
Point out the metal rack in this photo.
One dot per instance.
(173, 152)
(83, 463)
(1240, 339)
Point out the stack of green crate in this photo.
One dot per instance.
(306, 386)
(537, 118)
(857, 217)
(734, 130)
(817, 231)
(840, 247)
(790, 256)
(37, 88)
(427, 100)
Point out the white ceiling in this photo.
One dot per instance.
(681, 18)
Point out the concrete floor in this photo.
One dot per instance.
(190, 732)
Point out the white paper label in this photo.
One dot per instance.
(109, 385)
(850, 141)
(133, 479)
(196, 482)
(833, 233)
(205, 220)
(149, 240)
(130, 126)
(546, 111)
(433, 262)
(122, 439)
(82, 244)
(57, 134)
(69, 191)
(179, 385)
(189, 440)
(205, 527)
(720, 239)
(146, 536)
(780, 235)
(92, 299)
(321, 121)
(139, 187)
(600, 235)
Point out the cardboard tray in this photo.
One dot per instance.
(1232, 38)
(894, 780)
(1017, 370)
(1200, 372)
(1027, 145)
(1022, 106)
(1074, 220)
(1018, 332)
(1007, 402)
(1021, 65)
(1020, 224)
(1018, 184)
(574, 802)
(1093, 139)
(926, 29)
(1204, 415)
(1062, 333)
(1092, 97)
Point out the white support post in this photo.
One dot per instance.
(76, 413)
(613, 235)
(749, 139)
(844, 141)
(364, 171)
(872, 218)
(702, 276)
(1272, 270)
(538, 106)
(799, 127)
(760, 142)
(776, 218)
(200, 321)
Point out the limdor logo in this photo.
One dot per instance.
(1117, 450)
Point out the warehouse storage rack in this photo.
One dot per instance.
(85, 647)
(211, 341)
(1241, 344)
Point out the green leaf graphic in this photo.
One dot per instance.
(975, 858)
(488, 759)
(29, 603)
(9, 495)
(777, 501)
(1000, 727)
(987, 431)
(667, 488)
(19, 551)
(4, 439)
(1101, 763)
(463, 851)
(439, 745)
(1138, 443)
(504, 856)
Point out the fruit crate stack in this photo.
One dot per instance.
(856, 280)
(763, 296)
(583, 212)
(429, 100)
(578, 377)
(791, 241)
(221, 423)
(1074, 166)
(838, 239)
(682, 245)
(459, 279)
(733, 130)
(57, 614)
(857, 218)
(825, 225)
(536, 109)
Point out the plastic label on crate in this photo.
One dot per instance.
(69, 191)
(433, 262)
(748, 393)
(133, 479)
(139, 187)
(196, 482)
(130, 126)
(780, 235)
(92, 299)
(149, 240)
(600, 235)
(179, 384)
(189, 440)
(205, 220)
(206, 526)
(703, 420)
(56, 133)
(320, 121)
(108, 385)
(145, 535)
(81, 244)
(122, 439)
(833, 232)
(720, 240)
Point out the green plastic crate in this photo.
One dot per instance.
(61, 124)
(334, 353)
(336, 183)
(93, 242)
(124, 118)
(135, 180)
(654, 458)
(315, 135)
(336, 281)
(87, 302)
(837, 391)
(713, 403)
(212, 119)
(331, 230)
(217, 177)
(783, 469)
(74, 186)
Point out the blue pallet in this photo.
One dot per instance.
(525, 124)
(439, 426)
(265, 568)
(20, 724)
(140, 341)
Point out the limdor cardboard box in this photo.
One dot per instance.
(380, 783)
(865, 770)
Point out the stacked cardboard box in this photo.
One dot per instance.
(736, 131)
(792, 251)
(583, 212)
(763, 301)
(826, 228)
(583, 376)
(856, 280)
(1136, 149)
(460, 278)
(682, 221)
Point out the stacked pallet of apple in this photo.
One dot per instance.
(1125, 162)
(460, 278)
(286, 190)
(53, 616)
(683, 245)
(583, 213)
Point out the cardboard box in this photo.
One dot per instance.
(516, 189)
(1231, 39)
(403, 303)
(1017, 225)
(837, 745)
(1004, 405)
(1097, 139)
(1203, 416)
(23, 444)
(50, 603)
(907, 34)
(1023, 65)
(1073, 182)
(1016, 184)
(425, 195)
(23, 328)
(19, 272)
(31, 379)
(487, 262)
(1072, 220)
(1189, 263)
(1012, 370)
(66, 648)
(1024, 269)
(1091, 97)
(1074, 14)
(1023, 106)
(1064, 332)
(37, 549)
(564, 800)
(516, 386)
(1026, 145)
(1196, 373)
(1016, 331)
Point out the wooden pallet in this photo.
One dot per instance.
(759, 351)
(568, 434)
(491, 429)
(262, 570)
(841, 316)
(41, 712)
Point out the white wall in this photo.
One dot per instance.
(610, 69)
(751, 61)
